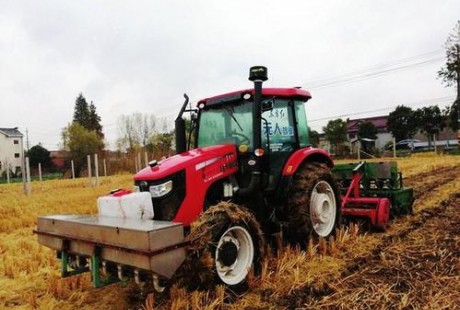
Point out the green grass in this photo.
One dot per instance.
(45, 177)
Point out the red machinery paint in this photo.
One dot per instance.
(376, 210)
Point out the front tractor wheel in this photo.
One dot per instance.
(225, 244)
(234, 255)
(313, 206)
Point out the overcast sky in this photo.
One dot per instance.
(141, 56)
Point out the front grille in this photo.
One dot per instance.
(166, 207)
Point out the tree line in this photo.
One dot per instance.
(404, 122)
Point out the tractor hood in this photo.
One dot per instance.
(199, 157)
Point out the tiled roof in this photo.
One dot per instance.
(11, 132)
(380, 122)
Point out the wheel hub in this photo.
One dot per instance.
(228, 253)
(234, 255)
(323, 208)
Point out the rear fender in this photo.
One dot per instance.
(304, 155)
(296, 159)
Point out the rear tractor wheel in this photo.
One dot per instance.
(313, 207)
(226, 243)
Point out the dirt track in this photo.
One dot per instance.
(424, 183)
(417, 268)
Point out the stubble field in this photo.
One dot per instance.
(414, 265)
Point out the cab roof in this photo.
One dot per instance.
(294, 93)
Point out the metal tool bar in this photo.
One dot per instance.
(107, 245)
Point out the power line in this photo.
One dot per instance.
(380, 66)
(374, 74)
(399, 65)
(413, 104)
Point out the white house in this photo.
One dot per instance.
(380, 123)
(11, 149)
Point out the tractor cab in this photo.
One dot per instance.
(266, 125)
(280, 118)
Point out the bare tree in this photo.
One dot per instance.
(450, 73)
(135, 130)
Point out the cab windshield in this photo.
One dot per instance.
(226, 124)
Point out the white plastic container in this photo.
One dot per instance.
(133, 205)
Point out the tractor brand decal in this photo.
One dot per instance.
(229, 165)
(216, 167)
(230, 162)
(213, 177)
(206, 163)
(229, 156)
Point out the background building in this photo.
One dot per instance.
(380, 123)
(11, 150)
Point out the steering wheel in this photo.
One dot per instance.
(243, 139)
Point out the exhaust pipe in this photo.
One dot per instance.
(179, 124)
(258, 75)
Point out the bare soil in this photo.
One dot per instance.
(416, 267)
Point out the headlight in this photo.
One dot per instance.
(161, 189)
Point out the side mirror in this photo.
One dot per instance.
(194, 116)
(267, 105)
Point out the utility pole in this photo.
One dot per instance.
(23, 167)
(90, 181)
(359, 149)
(458, 94)
(28, 184)
(96, 169)
(40, 171)
(73, 169)
(458, 75)
(394, 147)
(27, 139)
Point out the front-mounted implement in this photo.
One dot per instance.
(373, 191)
(114, 249)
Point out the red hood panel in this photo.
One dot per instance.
(173, 164)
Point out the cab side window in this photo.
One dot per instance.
(279, 128)
(278, 137)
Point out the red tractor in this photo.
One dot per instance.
(251, 173)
